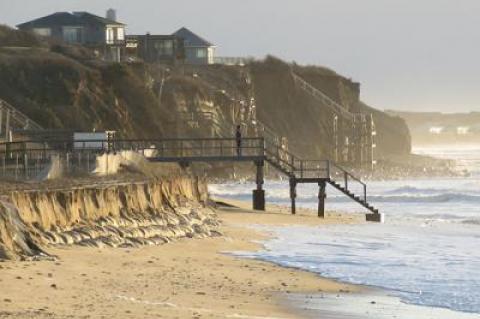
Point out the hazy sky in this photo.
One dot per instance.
(408, 54)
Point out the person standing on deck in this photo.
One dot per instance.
(238, 139)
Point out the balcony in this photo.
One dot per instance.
(115, 42)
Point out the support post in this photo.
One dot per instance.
(16, 166)
(79, 156)
(293, 193)
(88, 162)
(321, 199)
(1, 117)
(335, 139)
(7, 125)
(259, 193)
(67, 164)
(25, 164)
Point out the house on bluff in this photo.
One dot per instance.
(181, 47)
(197, 49)
(154, 48)
(105, 36)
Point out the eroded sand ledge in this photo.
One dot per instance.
(123, 215)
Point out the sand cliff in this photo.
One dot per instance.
(122, 215)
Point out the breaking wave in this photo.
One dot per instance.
(406, 194)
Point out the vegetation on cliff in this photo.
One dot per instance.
(64, 87)
(308, 124)
(67, 87)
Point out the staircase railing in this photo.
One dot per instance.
(322, 97)
(281, 158)
(347, 180)
(17, 116)
(312, 169)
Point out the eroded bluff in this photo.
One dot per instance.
(121, 215)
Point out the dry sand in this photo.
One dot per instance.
(184, 279)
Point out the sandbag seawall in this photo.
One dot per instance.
(119, 215)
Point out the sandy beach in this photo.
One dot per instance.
(184, 279)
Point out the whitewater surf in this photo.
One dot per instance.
(426, 254)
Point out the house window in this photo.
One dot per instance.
(164, 47)
(211, 55)
(109, 35)
(120, 34)
(44, 32)
(201, 53)
(168, 47)
(72, 34)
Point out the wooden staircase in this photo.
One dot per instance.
(16, 119)
(316, 172)
(356, 198)
(323, 98)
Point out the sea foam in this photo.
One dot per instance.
(427, 253)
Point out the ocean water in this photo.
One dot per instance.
(427, 252)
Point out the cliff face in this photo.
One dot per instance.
(66, 87)
(308, 124)
(291, 112)
(148, 213)
(393, 133)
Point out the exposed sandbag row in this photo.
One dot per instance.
(144, 213)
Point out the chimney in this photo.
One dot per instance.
(111, 14)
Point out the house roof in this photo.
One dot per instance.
(191, 39)
(152, 36)
(69, 19)
(94, 18)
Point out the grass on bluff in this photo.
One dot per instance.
(15, 38)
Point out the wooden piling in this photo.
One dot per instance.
(259, 193)
(293, 194)
(321, 199)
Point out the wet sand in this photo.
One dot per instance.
(184, 279)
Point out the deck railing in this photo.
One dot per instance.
(26, 159)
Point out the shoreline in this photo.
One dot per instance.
(183, 279)
(281, 217)
(361, 302)
(199, 278)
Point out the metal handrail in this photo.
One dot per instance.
(19, 116)
(348, 175)
(151, 140)
(329, 102)
(167, 148)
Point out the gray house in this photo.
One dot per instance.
(153, 48)
(106, 36)
(197, 49)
